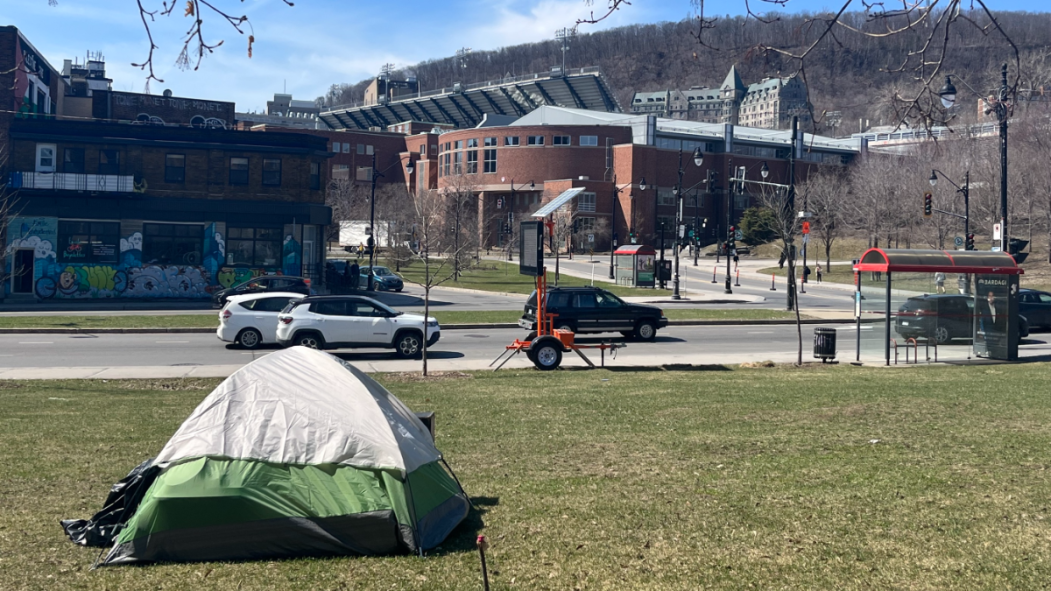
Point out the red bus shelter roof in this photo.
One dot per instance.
(938, 261)
(635, 249)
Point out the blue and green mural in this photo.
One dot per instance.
(128, 276)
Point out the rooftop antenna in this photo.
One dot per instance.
(564, 35)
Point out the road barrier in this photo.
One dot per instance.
(714, 270)
(773, 285)
(737, 280)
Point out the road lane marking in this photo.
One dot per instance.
(173, 341)
(36, 343)
(762, 332)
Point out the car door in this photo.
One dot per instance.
(1043, 310)
(375, 324)
(613, 315)
(330, 317)
(265, 312)
(585, 308)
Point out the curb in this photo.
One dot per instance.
(477, 326)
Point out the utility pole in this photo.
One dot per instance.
(1001, 114)
(731, 177)
(792, 212)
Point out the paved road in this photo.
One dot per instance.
(460, 349)
(175, 355)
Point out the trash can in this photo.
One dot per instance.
(824, 343)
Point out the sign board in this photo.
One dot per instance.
(996, 231)
(499, 202)
(531, 248)
(958, 241)
(591, 237)
(738, 234)
(806, 228)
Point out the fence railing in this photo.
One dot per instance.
(67, 181)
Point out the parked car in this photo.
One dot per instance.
(385, 279)
(265, 283)
(1036, 306)
(343, 322)
(594, 310)
(251, 320)
(943, 317)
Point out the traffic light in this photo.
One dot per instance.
(969, 245)
(928, 206)
(730, 240)
(576, 226)
(713, 179)
(704, 223)
(1015, 246)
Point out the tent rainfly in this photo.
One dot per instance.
(295, 454)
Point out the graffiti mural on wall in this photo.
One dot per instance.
(129, 277)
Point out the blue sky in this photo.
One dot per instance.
(316, 43)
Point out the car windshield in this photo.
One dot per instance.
(378, 271)
(386, 308)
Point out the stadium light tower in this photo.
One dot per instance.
(564, 35)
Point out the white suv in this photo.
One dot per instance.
(338, 322)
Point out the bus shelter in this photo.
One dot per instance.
(635, 265)
(935, 305)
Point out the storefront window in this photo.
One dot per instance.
(260, 247)
(172, 244)
(88, 242)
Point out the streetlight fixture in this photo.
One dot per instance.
(765, 170)
(698, 159)
(947, 93)
(1002, 108)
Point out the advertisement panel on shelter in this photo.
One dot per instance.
(993, 312)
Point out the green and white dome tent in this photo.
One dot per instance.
(295, 454)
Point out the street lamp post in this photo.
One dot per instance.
(510, 218)
(372, 215)
(613, 226)
(729, 218)
(698, 159)
(1002, 108)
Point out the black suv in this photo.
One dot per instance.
(1036, 305)
(590, 309)
(943, 317)
(262, 284)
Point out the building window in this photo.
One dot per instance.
(434, 148)
(315, 176)
(510, 141)
(174, 168)
(472, 143)
(423, 149)
(490, 141)
(445, 168)
(239, 171)
(490, 160)
(361, 148)
(109, 161)
(446, 147)
(45, 158)
(589, 140)
(458, 163)
(536, 140)
(346, 148)
(369, 151)
(472, 162)
(587, 224)
(665, 197)
(364, 173)
(335, 147)
(88, 242)
(259, 247)
(340, 172)
(586, 202)
(172, 244)
(458, 144)
(561, 140)
(73, 160)
(272, 172)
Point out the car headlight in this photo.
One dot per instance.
(432, 323)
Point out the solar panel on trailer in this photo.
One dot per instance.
(557, 202)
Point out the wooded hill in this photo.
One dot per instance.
(848, 74)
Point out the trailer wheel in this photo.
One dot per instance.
(546, 353)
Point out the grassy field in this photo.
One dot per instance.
(715, 478)
(504, 277)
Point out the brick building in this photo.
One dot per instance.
(770, 103)
(553, 149)
(127, 195)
